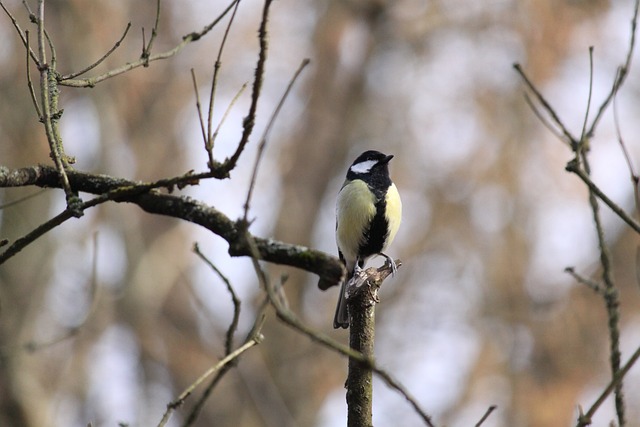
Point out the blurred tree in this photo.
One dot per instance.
(107, 318)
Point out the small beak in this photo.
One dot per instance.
(386, 159)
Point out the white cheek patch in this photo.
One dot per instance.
(363, 167)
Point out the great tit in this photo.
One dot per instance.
(368, 214)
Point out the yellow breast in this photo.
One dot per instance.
(393, 213)
(355, 208)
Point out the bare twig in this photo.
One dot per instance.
(289, 318)
(187, 392)
(632, 173)
(199, 107)
(621, 75)
(32, 91)
(572, 166)
(146, 50)
(585, 419)
(209, 141)
(22, 199)
(580, 166)
(222, 120)
(99, 61)
(544, 120)
(33, 346)
(486, 415)
(189, 38)
(545, 104)
(265, 136)
(594, 286)
(583, 136)
(233, 326)
(121, 190)
(610, 294)
(47, 92)
(49, 225)
(21, 34)
(250, 119)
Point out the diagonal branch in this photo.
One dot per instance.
(250, 119)
(153, 201)
(99, 61)
(144, 61)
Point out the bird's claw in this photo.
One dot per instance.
(392, 263)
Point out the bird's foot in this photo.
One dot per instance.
(392, 263)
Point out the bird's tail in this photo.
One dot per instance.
(341, 318)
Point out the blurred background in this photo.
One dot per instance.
(109, 317)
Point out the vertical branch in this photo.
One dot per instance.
(209, 139)
(612, 302)
(610, 291)
(250, 119)
(362, 296)
(49, 98)
(359, 380)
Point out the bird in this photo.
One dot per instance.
(368, 215)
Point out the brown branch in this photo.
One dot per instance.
(99, 61)
(146, 48)
(151, 200)
(365, 361)
(256, 339)
(189, 38)
(585, 419)
(545, 104)
(574, 167)
(21, 34)
(265, 135)
(250, 119)
(486, 415)
(233, 326)
(621, 75)
(209, 140)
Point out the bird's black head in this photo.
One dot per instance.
(373, 168)
(369, 162)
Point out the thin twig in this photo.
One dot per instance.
(583, 137)
(32, 90)
(146, 48)
(594, 286)
(585, 419)
(632, 173)
(22, 199)
(233, 326)
(200, 402)
(48, 92)
(250, 120)
(33, 346)
(199, 106)
(229, 358)
(214, 83)
(289, 318)
(223, 119)
(187, 39)
(542, 100)
(486, 415)
(573, 167)
(47, 226)
(265, 135)
(621, 75)
(99, 61)
(610, 295)
(546, 123)
(22, 34)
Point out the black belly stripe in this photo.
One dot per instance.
(377, 232)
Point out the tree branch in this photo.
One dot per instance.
(151, 200)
